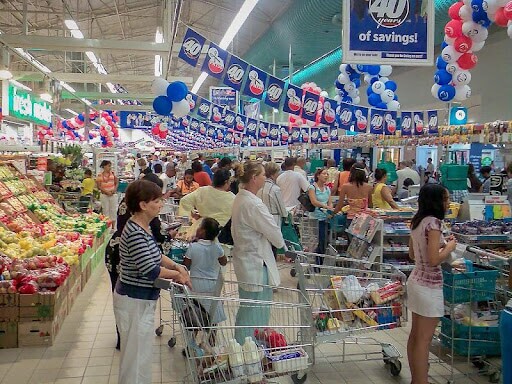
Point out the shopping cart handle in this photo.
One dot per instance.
(168, 284)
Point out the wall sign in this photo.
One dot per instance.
(26, 106)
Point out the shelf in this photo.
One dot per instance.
(396, 234)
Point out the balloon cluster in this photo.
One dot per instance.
(297, 120)
(108, 128)
(170, 97)
(44, 133)
(160, 130)
(465, 34)
(381, 90)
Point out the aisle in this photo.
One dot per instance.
(84, 351)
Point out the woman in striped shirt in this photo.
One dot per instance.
(135, 295)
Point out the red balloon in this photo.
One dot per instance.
(463, 44)
(500, 18)
(453, 11)
(507, 11)
(453, 28)
(467, 61)
(155, 130)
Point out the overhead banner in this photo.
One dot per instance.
(136, 119)
(406, 123)
(229, 119)
(346, 117)
(419, 125)
(235, 73)
(216, 115)
(225, 97)
(275, 91)
(215, 61)
(360, 119)
(192, 101)
(191, 47)
(295, 135)
(304, 134)
(194, 125)
(285, 136)
(251, 127)
(328, 112)
(376, 121)
(293, 100)
(334, 135)
(433, 122)
(310, 106)
(263, 130)
(240, 123)
(398, 32)
(255, 84)
(390, 123)
(204, 107)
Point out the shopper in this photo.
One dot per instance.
(182, 166)
(224, 163)
(200, 177)
(187, 184)
(428, 249)
(107, 183)
(320, 196)
(299, 167)
(254, 232)
(404, 192)
(381, 196)
(485, 171)
(345, 174)
(403, 173)
(169, 181)
(428, 179)
(143, 168)
(237, 169)
(204, 259)
(135, 296)
(474, 185)
(88, 184)
(270, 194)
(430, 166)
(334, 176)
(291, 183)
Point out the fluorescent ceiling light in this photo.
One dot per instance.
(111, 88)
(71, 24)
(77, 34)
(19, 85)
(236, 24)
(159, 36)
(5, 74)
(71, 111)
(100, 68)
(67, 87)
(91, 56)
(46, 97)
(86, 101)
(158, 66)
(33, 60)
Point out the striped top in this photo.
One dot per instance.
(140, 263)
(107, 183)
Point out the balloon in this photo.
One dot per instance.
(338, 85)
(442, 77)
(449, 40)
(385, 70)
(324, 94)
(393, 105)
(454, 9)
(477, 5)
(452, 68)
(343, 68)
(500, 18)
(81, 118)
(349, 87)
(356, 100)
(381, 106)
(387, 96)
(467, 61)
(357, 82)
(490, 6)
(343, 79)
(463, 44)
(373, 69)
(337, 98)
(181, 108)
(378, 87)
(159, 86)
(374, 99)
(384, 79)
(435, 89)
(391, 85)
(446, 93)
(461, 78)
(453, 28)
(440, 63)
(177, 91)
(475, 31)
(450, 55)
(481, 18)
(367, 78)
(462, 92)
(162, 105)
(466, 13)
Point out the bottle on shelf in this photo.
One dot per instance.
(236, 358)
(252, 361)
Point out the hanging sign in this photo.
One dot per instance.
(333, 135)
(305, 135)
(229, 119)
(406, 123)
(419, 125)
(216, 116)
(390, 123)
(360, 119)
(204, 107)
(228, 137)
(194, 124)
(275, 92)
(225, 97)
(295, 137)
(433, 122)
(235, 73)
(191, 47)
(346, 116)
(293, 100)
(324, 134)
(376, 121)
(26, 106)
(184, 123)
(251, 127)
(202, 128)
(310, 106)
(274, 131)
(215, 61)
(315, 135)
(255, 84)
(328, 112)
(285, 136)
(240, 123)
(211, 131)
(263, 130)
(192, 101)
(399, 32)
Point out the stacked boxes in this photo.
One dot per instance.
(9, 316)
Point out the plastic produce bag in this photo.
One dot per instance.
(351, 289)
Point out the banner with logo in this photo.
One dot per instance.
(324, 134)
(194, 125)
(406, 123)
(390, 123)
(235, 73)
(192, 101)
(136, 119)
(315, 135)
(334, 134)
(328, 112)
(293, 100)
(203, 128)
(419, 125)
(376, 121)
(229, 119)
(274, 134)
(211, 131)
(226, 97)
(275, 91)
(184, 123)
(305, 135)
(295, 135)
(191, 47)
(285, 135)
(240, 123)
(433, 122)
(221, 134)
(263, 130)
(203, 108)
(397, 32)
(346, 116)
(216, 115)
(215, 61)
(251, 127)
(360, 119)
(237, 138)
(228, 137)
(310, 106)
(255, 84)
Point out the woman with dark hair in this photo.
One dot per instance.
(320, 196)
(200, 176)
(357, 193)
(135, 296)
(381, 196)
(474, 184)
(347, 164)
(428, 249)
(107, 183)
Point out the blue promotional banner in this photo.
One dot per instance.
(191, 47)
(274, 133)
(360, 119)
(390, 123)
(192, 101)
(304, 134)
(406, 123)
(211, 131)
(229, 119)
(194, 125)
(240, 123)
(255, 84)
(203, 128)
(215, 61)
(221, 133)
(333, 134)
(419, 125)
(263, 130)
(275, 91)
(235, 73)
(324, 134)
(376, 121)
(293, 100)
(184, 123)
(328, 112)
(251, 127)
(433, 123)
(388, 32)
(346, 116)
(295, 135)
(204, 107)
(228, 137)
(216, 115)
(225, 97)
(285, 135)
(136, 119)
(315, 135)
(237, 138)
(310, 106)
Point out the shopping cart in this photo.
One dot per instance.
(350, 297)
(283, 342)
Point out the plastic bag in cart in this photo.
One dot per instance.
(351, 289)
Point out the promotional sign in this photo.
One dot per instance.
(295, 135)
(216, 115)
(192, 101)
(293, 100)
(310, 106)
(315, 135)
(275, 92)
(135, 119)
(42, 164)
(184, 123)
(285, 136)
(433, 122)
(194, 124)
(274, 132)
(26, 106)
(204, 107)
(376, 121)
(406, 123)
(202, 128)
(334, 135)
(240, 123)
(458, 116)
(225, 97)
(255, 84)
(419, 125)
(191, 47)
(398, 32)
(235, 73)
(360, 119)
(324, 134)
(328, 112)
(221, 133)
(229, 119)
(390, 123)
(215, 61)
(304, 134)
(346, 116)
(211, 131)
(263, 130)
(251, 127)
(228, 137)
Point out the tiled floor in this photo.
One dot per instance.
(84, 352)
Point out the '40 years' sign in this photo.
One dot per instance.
(397, 32)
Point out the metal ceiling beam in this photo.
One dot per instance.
(108, 95)
(94, 77)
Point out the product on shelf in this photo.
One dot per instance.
(6, 172)
(16, 187)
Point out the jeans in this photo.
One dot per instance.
(323, 227)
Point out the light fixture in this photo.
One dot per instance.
(77, 34)
(111, 87)
(236, 24)
(86, 101)
(46, 97)
(5, 74)
(71, 24)
(32, 60)
(19, 85)
(71, 111)
(159, 38)
(91, 56)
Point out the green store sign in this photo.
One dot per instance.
(25, 106)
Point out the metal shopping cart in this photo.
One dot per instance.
(350, 297)
(283, 339)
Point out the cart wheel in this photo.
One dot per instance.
(395, 367)
(495, 377)
(159, 330)
(172, 342)
(297, 380)
(478, 363)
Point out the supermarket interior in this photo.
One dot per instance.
(255, 191)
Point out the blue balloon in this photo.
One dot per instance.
(442, 77)
(362, 68)
(373, 69)
(81, 117)
(349, 69)
(177, 91)
(395, 97)
(357, 82)
(354, 76)
(162, 105)
(476, 5)
(446, 92)
(444, 44)
(373, 80)
(391, 85)
(374, 99)
(382, 106)
(440, 63)
(481, 18)
(347, 99)
(338, 85)
(369, 91)
(65, 124)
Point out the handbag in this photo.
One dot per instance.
(306, 202)
(225, 236)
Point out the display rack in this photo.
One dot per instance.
(367, 238)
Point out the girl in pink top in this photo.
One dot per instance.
(428, 248)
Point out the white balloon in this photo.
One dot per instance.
(434, 90)
(354, 93)
(461, 78)
(324, 94)
(477, 46)
(452, 68)
(393, 105)
(384, 79)
(356, 100)
(343, 68)
(466, 13)
(450, 55)
(387, 96)
(367, 78)
(343, 79)
(467, 2)
(462, 92)
(337, 98)
(181, 108)
(349, 87)
(449, 40)
(475, 31)
(312, 84)
(378, 87)
(490, 6)
(159, 86)
(385, 70)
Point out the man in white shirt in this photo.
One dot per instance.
(183, 165)
(291, 183)
(405, 172)
(299, 167)
(169, 180)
